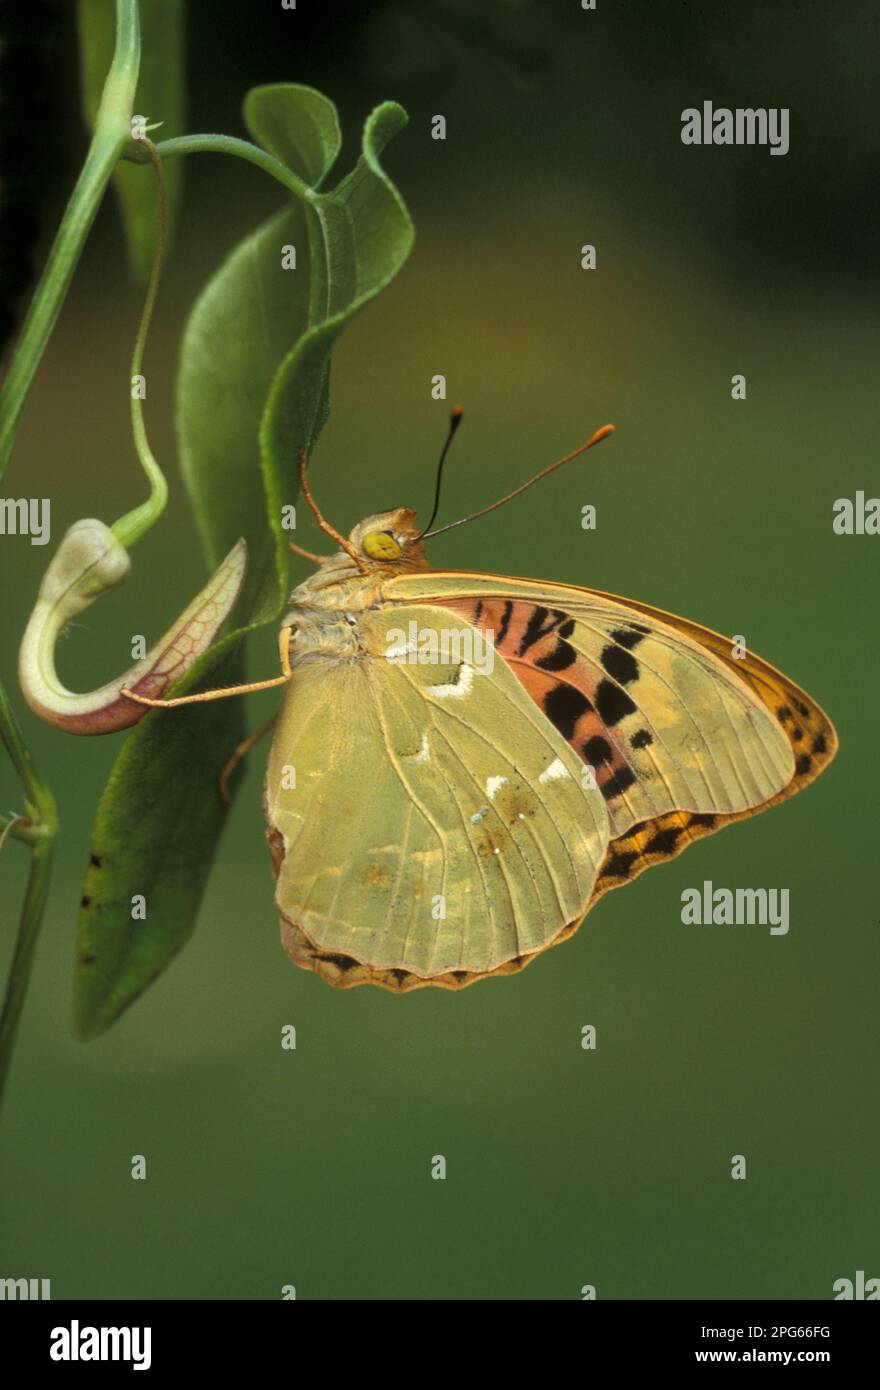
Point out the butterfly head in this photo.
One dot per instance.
(390, 540)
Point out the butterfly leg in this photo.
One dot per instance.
(240, 753)
(227, 690)
(307, 554)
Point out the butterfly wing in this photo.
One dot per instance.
(441, 829)
(428, 825)
(738, 725)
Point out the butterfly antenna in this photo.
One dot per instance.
(331, 531)
(596, 438)
(454, 422)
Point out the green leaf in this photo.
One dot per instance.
(364, 236)
(252, 390)
(117, 955)
(241, 328)
(296, 124)
(159, 97)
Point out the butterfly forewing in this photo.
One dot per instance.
(661, 720)
(794, 735)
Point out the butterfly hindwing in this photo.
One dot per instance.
(415, 839)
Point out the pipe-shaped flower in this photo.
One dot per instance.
(90, 561)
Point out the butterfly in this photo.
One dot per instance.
(464, 762)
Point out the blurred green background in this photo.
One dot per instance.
(565, 1167)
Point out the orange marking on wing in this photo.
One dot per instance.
(511, 620)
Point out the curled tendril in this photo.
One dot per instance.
(90, 561)
(93, 558)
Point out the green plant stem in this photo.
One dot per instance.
(42, 823)
(241, 149)
(36, 893)
(132, 526)
(39, 828)
(14, 827)
(39, 803)
(111, 134)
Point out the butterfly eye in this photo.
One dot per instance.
(380, 545)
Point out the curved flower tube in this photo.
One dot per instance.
(90, 561)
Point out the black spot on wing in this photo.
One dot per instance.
(612, 703)
(664, 841)
(619, 783)
(563, 706)
(567, 628)
(342, 962)
(803, 764)
(541, 622)
(629, 637)
(819, 744)
(620, 664)
(505, 623)
(619, 862)
(597, 750)
(641, 738)
(562, 656)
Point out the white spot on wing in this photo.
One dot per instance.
(493, 785)
(400, 652)
(424, 753)
(455, 690)
(553, 773)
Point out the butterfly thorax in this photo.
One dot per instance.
(325, 610)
